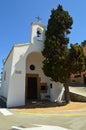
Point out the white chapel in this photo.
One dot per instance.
(23, 78)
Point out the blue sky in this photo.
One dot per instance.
(16, 17)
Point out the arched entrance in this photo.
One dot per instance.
(33, 75)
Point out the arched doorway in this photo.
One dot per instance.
(33, 75)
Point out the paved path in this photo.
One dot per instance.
(78, 90)
(5, 112)
(69, 117)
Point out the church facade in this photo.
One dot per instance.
(23, 78)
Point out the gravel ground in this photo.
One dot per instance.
(72, 106)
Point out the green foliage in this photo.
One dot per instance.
(60, 61)
(55, 45)
(77, 58)
(83, 43)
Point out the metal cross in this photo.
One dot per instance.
(38, 19)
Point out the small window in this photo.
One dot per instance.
(84, 75)
(76, 76)
(51, 85)
(73, 81)
(43, 87)
(32, 67)
(4, 75)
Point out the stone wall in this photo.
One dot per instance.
(77, 97)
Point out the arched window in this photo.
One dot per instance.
(39, 34)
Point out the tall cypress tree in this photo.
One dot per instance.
(55, 46)
(60, 61)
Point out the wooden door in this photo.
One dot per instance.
(32, 88)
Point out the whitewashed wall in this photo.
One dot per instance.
(16, 93)
(7, 74)
(13, 88)
(56, 91)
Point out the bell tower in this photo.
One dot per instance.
(37, 32)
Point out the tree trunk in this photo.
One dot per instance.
(67, 93)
